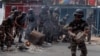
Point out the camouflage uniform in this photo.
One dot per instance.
(8, 33)
(77, 26)
(2, 37)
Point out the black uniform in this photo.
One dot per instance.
(78, 26)
(46, 23)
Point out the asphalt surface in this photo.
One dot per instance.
(59, 49)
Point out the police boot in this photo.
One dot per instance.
(83, 55)
(2, 48)
(69, 47)
(20, 39)
(73, 54)
(12, 42)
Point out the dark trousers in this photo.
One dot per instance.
(89, 37)
(19, 33)
(9, 37)
(82, 47)
(48, 37)
(40, 29)
(8, 41)
(2, 42)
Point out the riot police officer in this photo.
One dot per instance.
(76, 26)
(43, 16)
(31, 24)
(46, 22)
(20, 24)
(56, 24)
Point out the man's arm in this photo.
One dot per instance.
(71, 33)
(70, 30)
(16, 23)
(86, 28)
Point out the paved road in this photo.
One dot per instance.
(56, 50)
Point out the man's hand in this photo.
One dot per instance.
(86, 32)
(72, 34)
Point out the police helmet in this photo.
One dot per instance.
(17, 12)
(23, 13)
(51, 9)
(56, 10)
(79, 12)
(30, 11)
(13, 8)
(45, 8)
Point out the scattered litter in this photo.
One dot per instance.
(34, 49)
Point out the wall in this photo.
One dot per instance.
(2, 13)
